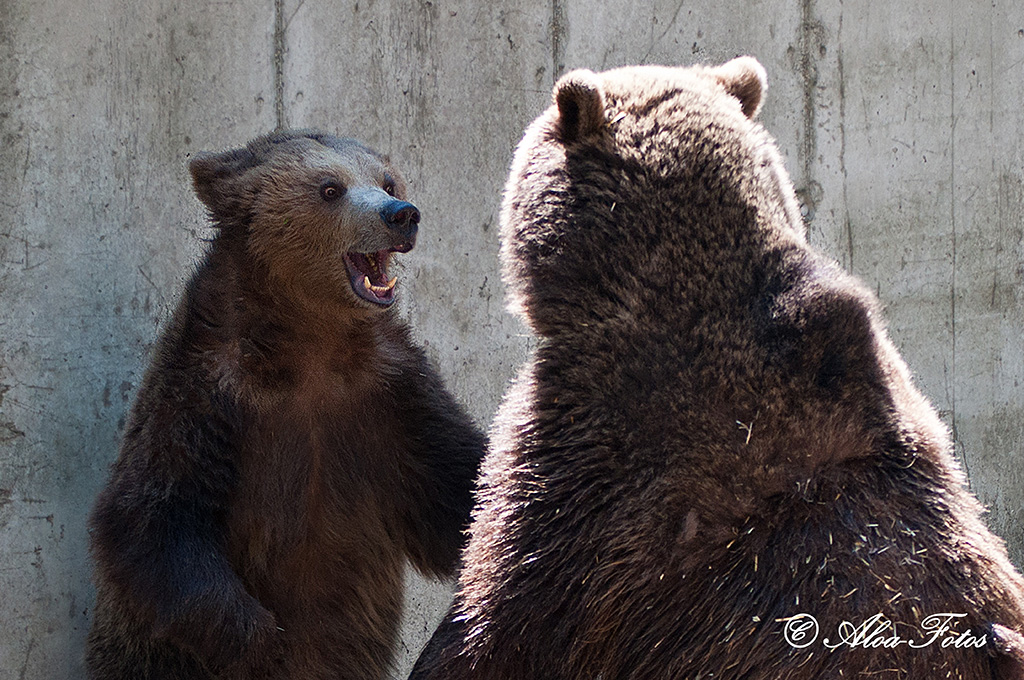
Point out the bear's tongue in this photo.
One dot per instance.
(367, 272)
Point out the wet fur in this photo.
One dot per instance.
(714, 433)
(288, 450)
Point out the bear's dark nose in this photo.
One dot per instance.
(402, 218)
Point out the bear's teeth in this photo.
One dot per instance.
(380, 290)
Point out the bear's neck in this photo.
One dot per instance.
(279, 330)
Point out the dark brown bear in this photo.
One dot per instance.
(290, 445)
(715, 435)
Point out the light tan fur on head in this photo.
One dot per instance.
(301, 203)
(298, 235)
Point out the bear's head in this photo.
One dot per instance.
(319, 213)
(633, 183)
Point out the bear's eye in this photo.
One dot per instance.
(330, 191)
(389, 185)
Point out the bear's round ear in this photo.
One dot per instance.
(745, 79)
(211, 175)
(580, 102)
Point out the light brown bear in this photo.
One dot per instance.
(290, 446)
(715, 439)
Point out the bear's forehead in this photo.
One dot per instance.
(353, 160)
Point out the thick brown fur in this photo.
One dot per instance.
(289, 448)
(715, 433)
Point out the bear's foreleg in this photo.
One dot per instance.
(158, 539)
(444, 448)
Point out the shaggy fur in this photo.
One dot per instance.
(715, 433)
(290, 446)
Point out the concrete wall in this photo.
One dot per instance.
(901, 124)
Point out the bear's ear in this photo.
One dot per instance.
(745, 79)
(580, 102)
(212, 175)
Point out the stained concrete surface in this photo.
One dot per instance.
(901, 125)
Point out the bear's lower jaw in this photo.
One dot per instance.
(366, 273)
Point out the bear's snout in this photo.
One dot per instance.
(402, 218)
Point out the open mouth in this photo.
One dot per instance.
(367, 272)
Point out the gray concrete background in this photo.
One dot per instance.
(901, 124)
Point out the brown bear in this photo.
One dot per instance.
(715, 440)
(290, 445)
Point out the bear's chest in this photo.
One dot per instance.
(318, 473)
